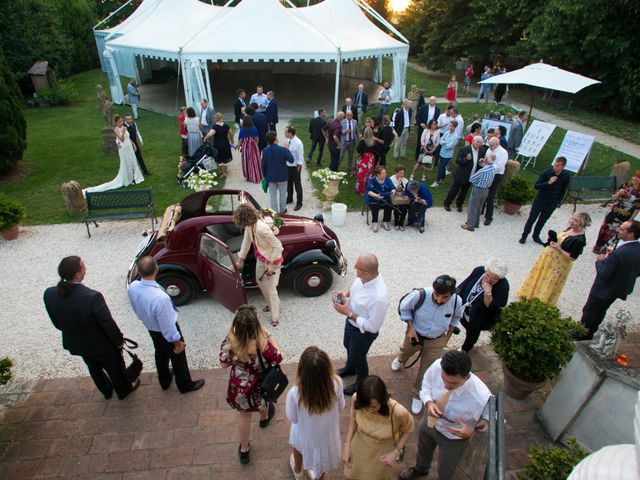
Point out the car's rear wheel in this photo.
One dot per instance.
(313, 280)
(179, 286)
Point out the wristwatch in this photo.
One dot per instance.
(351, 316)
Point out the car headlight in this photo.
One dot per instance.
(330, 244)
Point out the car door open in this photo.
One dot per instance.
(219, 273)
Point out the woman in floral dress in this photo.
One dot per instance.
(625, 207)
(239, 351)
(366, 148)
(248, 145)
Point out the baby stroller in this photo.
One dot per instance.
(203, 158)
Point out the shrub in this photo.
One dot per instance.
(552, 463)
(533, 340)
(62, 93)
(13, 128)
(5, 370)
(11, 213)
(516, 190)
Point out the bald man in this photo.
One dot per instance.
(500, 163)
(365, 307)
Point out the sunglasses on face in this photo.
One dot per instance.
(447, 282)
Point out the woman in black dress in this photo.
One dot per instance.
(222, 139)
(387, 134)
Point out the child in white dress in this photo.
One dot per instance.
(313, 407)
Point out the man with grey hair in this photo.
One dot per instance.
(481, 181)
(401, 122)
(500, 164)
(484, 294)
(364, 305)
(467, 160)
(361, 101)
(516, 134)
(348, 137)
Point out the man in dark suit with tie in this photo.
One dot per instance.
(88, 329)
(272, 111)
(467, 161)
(424, 114)
(361, 101)
(316, 131)
(136, 138)
(350, 107)
(616, 275)
(239, 104)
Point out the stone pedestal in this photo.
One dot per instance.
(73, 198)
(109, 141)
(594, 399)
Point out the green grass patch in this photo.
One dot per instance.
(64, 143)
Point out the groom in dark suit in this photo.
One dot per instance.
(88, 329)
(616, 275)
(136, 138)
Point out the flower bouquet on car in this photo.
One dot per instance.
(273, 219)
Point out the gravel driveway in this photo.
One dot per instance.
(407, 260)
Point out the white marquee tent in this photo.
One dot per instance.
(193, 33)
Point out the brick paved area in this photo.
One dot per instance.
(64, 428)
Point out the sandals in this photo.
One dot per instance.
(244, 456)
(266, 309)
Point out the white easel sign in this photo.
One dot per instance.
(535, 138)
(576, 148)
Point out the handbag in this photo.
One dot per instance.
(425, 159)
(265, 185)
(134, 369)
(273, 382)
(399, 199)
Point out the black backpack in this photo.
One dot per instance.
(421, 299)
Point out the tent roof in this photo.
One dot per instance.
(251, 31)
(543, 75)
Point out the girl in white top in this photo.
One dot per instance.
(313, 407)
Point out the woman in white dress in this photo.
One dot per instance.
(129, 171)
(313, 407)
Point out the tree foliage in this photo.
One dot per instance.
(13, 129)
(589, 37)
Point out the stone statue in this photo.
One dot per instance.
(611, 333)
(105, 106)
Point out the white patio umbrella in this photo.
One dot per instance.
(542, 75)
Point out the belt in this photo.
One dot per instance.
(431, 338)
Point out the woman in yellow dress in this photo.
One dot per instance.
(551, 269)
(379, 428)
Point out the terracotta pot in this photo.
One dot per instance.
(11, 233)
(516, 387)
(330, 192)
(511, 208)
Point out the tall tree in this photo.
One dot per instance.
(13, 130)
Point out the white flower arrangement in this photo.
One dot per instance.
(325, 175)
(202, 180)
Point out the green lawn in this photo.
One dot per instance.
(64, 143)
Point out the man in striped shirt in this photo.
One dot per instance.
(481, 181)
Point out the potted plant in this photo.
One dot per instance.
(515, 193)
(552, 463)
(330, 182)
(11, 213)
(533, 342)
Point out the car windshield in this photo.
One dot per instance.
(227, 203)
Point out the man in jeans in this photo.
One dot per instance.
(449, 391)
(431, 315)
(448, 143)
(364, 305)
(275, 170)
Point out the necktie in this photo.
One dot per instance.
(441, 403)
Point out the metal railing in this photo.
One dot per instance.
(495, 469)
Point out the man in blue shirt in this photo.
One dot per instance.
(481, 181)
(275, 170)
(153, 306)
(429, 327)
(448, 143)
(134, 97)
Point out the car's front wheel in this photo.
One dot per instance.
(313, 280)
(178, 286)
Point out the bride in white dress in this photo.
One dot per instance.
(129, 171)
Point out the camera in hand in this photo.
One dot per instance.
(339, 299)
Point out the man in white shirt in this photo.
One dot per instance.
(444, 120)
(297, 151)
(365, 306)
(455, 115)
(206, 116)
(260, 99)
(499, 164)
(401, 123)
(384, 99)
(431, 315)
(457, 403)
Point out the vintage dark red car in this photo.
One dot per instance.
(197, 242)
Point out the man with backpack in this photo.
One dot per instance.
(431, 315)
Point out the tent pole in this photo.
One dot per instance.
(335, 96)
(533, 96)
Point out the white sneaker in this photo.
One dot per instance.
(396, 365)
(292, 464)
(374, 227)
(434, 184)
(416, 406)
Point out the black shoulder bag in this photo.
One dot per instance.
(273, 382)
(133, 371)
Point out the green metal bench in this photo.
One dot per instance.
(590, 188)
(119, 205)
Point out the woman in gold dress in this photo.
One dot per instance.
(551, 269)
(379, 428)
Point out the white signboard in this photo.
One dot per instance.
(575, 148)
(535, 137)
(488, 123)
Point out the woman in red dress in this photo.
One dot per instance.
(452, 90)
(367, 148)
(239, 350)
